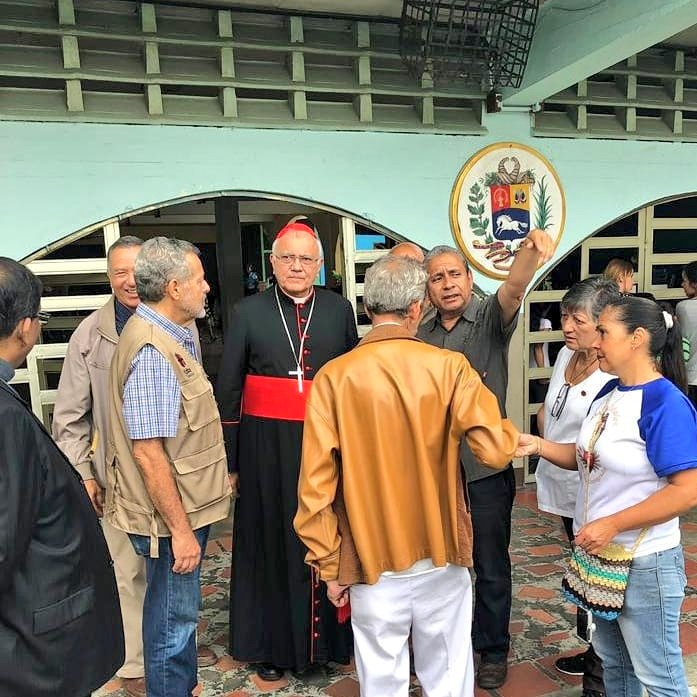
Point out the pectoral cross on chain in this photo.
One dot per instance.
(299, 373)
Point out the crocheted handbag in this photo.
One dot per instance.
(597, 582)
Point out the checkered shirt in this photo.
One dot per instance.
(152, 395)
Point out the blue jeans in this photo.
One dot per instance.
(642, 646)
(170, 618)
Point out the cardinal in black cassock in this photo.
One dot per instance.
(279, 613)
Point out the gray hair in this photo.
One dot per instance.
(122, 243)
(445, 249)
(392, 284)
(590, 296)
(159, 261)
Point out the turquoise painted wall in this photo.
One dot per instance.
(57, 178)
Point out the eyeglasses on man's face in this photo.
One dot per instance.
(560, 401)
(288, 259)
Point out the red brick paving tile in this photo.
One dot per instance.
(346, 687)
(690, 549)
(544, 569)
(526, 680)
(226, 663)
(269, 685)
(691, 567)
(537, 592)
(197, 690)
(225, 573)
(238, 693)
(545, 551)
(209, 590)
(692, 581)
(555, 638)
(540, 616)
(689, 604)
(548, 664)
(688, 637)
(516, 627)
(518, 559)
(225, 543)
(526, 496)
(538, 530)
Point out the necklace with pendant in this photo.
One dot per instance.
(298, 372)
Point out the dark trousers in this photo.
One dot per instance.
(592, 665)
(491, 503)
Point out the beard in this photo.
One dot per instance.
(195, 310)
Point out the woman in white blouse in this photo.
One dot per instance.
(576, 380)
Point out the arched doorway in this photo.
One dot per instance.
(233, 230)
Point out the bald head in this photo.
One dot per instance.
(408, 250)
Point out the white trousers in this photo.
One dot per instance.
(437, 608)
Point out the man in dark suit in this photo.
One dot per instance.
(60, 622)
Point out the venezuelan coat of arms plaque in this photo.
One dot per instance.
(502, 193)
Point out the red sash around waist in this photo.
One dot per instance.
(275, 398)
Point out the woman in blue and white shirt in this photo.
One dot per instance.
(641, 473)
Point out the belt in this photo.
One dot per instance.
(275, 398)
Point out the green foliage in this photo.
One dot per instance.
(543, 205)
(491, 179)
(476, 208)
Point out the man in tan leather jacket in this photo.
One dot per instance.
(381, 506)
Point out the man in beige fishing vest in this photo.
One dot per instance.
(169, 480)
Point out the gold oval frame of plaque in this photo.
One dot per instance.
(500, 194)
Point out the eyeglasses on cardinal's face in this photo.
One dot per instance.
(288, 259)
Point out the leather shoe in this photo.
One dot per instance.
(206, 657)
(491, 675)
(313, 670)
(134, 687)
(269, 672)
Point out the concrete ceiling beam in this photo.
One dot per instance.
(575, 39)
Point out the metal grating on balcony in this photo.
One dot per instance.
(650, 96)
(136, 62)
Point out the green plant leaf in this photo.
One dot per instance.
(473, 210)
(480, 210)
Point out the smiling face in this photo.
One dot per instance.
(122, 261)
(579, 329)
(614, 344)
(296, 261)
(449, 284)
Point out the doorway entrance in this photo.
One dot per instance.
(234, 234)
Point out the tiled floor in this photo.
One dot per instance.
(541, 623)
